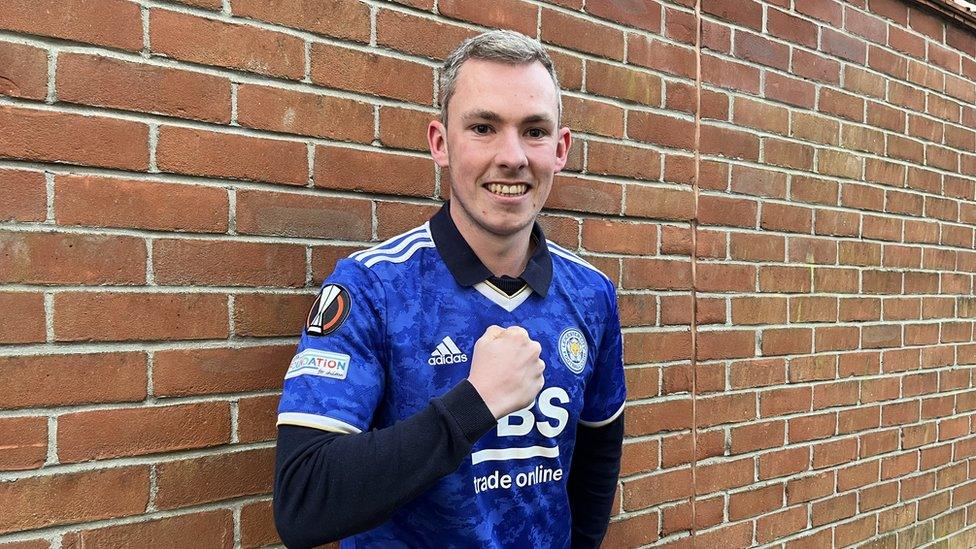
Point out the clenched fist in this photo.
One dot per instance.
(506, 369)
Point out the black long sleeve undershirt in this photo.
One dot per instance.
(329, 486)
(593, 481)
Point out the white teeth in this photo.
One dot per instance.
(508, 190)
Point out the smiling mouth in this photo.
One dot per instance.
(503, 189)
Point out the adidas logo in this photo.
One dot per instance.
(447, 353)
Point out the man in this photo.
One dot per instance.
(461, 385)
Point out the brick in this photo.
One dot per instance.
(730, 143)
(787, 341)
(787, 154)
(209, 529)
(212, 154)
(569, 68)
(678, 449)
(834, 452)
(335, 18)
(762, 116)
(287, 214)
(268, 314)
(211, 42)
(658, 417)
(812, 127)
(619, 160)
(816, 67)
(782, 524)
(814, 191)
(819, 367)
(49, 500)
(396, 218)
(23, 321)
(725, 409)
(102, 434)
(748, 438)
(656, 488)
(785, 462)
(324, 259)
(580, 35)
(835, 280)
(221, 370)
(24, 72)
(70, 379)
(256, 418)
(402, 128)
(507, 14)
(747, 13)
(112, 23)
(634, 531)
(754, 502)
(619, 237)
(786, 217)
(843, 45)
(759, 310)
(667, 131)
(25, 443)
(657, 274)
(131, 203)
(369, 73)
(108, 82)
(810, 487)
(93, 316)
(201, 480)
(755, 48)
(758, 182)
(789, 90)
(341, 168)
(587, 116)
(288, 111)
(59, 258)
(784, 279)
(776, 402)
(807, 428)
(623, 83)
(257, 525)
(223, 263)
(791, 28)
(49, 136)
(843, 164)
(643, 15)
(23, 196)
(842, 104)
(649, 52)
(725, 475)
(419, 36)
(729, 74)
(726, 344)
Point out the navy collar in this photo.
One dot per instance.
(468, 269)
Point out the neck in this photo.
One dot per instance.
(501, 254)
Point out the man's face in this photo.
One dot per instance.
(502, 146)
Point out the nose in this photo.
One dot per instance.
(510, 154)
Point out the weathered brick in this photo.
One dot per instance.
(217, 154)
(212, 42)
(108, 82)
(51, 136)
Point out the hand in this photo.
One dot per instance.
(506, 369)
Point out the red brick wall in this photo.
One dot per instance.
(177, 178)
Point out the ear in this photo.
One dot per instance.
(563, 142)
(437, 141)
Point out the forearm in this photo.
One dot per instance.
(329, 486)
(593, 481)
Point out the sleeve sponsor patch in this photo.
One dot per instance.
(330, 310)
(311, 362)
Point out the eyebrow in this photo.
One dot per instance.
(492, 116)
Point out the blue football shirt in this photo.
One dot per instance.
(395, 325)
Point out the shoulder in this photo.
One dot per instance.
(398, 250)
(567, 262)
